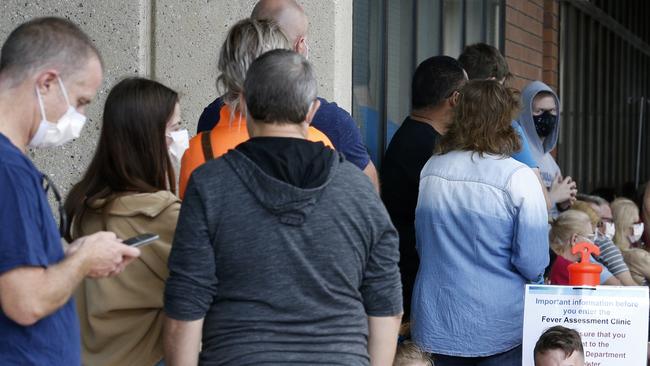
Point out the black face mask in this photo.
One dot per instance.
(545, 123)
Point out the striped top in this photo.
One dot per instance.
(610, 256)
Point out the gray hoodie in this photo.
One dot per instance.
(538, 147)
(282, 274)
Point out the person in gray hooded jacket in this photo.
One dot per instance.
(540, 120)
(283, 253)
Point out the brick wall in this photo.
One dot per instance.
(531, 41)
(551, 43)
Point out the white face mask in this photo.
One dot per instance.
(610, 230)
(67, 128)
(638, 232)
(180, 143)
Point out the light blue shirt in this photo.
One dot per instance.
(482, 233)
(605, 274)
(524, 155)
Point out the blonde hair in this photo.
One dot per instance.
(586, 208)
(564, 226)
(246, 41)
(626, 214)
(408, 354)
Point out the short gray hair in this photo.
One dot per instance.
(246, 41)
(42, 43)
(596, 200)
(280, 87)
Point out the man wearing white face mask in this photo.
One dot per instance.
(49, 72)
(610, 255)
(67, 128)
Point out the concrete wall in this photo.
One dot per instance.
(177, 43)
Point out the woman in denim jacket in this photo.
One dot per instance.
(482, 234)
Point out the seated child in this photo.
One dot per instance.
(569, 228)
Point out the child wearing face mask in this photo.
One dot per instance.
(129, 188)
(628, 233)
(569, 228)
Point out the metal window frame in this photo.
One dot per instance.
(383, 62)
(383, 116)
(605, 84)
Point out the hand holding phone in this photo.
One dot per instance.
(141, 240)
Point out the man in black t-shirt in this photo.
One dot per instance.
(434, 91)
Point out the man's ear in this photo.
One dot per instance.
(45, 79)
(312, 111)
(301, 45)
(454, 99)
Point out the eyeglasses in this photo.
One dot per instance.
(589, 237)
(63, 218)
(604, 220)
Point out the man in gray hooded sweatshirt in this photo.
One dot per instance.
(540, 120)
(283, 253)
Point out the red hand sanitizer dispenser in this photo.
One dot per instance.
(584, 273)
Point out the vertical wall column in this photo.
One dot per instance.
(115, 27)
(176, 42)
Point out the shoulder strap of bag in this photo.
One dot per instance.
(206, 145)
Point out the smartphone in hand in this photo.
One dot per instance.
(141, 240)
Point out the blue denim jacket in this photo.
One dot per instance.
(482, 233)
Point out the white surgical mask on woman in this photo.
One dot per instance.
(67, 128)
(637, 230)
(180, 143)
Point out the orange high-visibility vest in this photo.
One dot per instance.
(226, 135)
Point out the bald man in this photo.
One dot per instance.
(291, 18)
(332, 120)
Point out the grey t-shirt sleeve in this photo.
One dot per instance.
(611, 256)
(382, 287)
(192, 282)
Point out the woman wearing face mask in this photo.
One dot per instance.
(569, 228)
(540, 120)
(129, 188)
(628, 232)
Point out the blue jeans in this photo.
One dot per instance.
(508, 358)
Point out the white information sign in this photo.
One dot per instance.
(612, 321)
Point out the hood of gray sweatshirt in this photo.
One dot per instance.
(291, 204)
(539, 147)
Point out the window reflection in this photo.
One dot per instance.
(391, 37)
